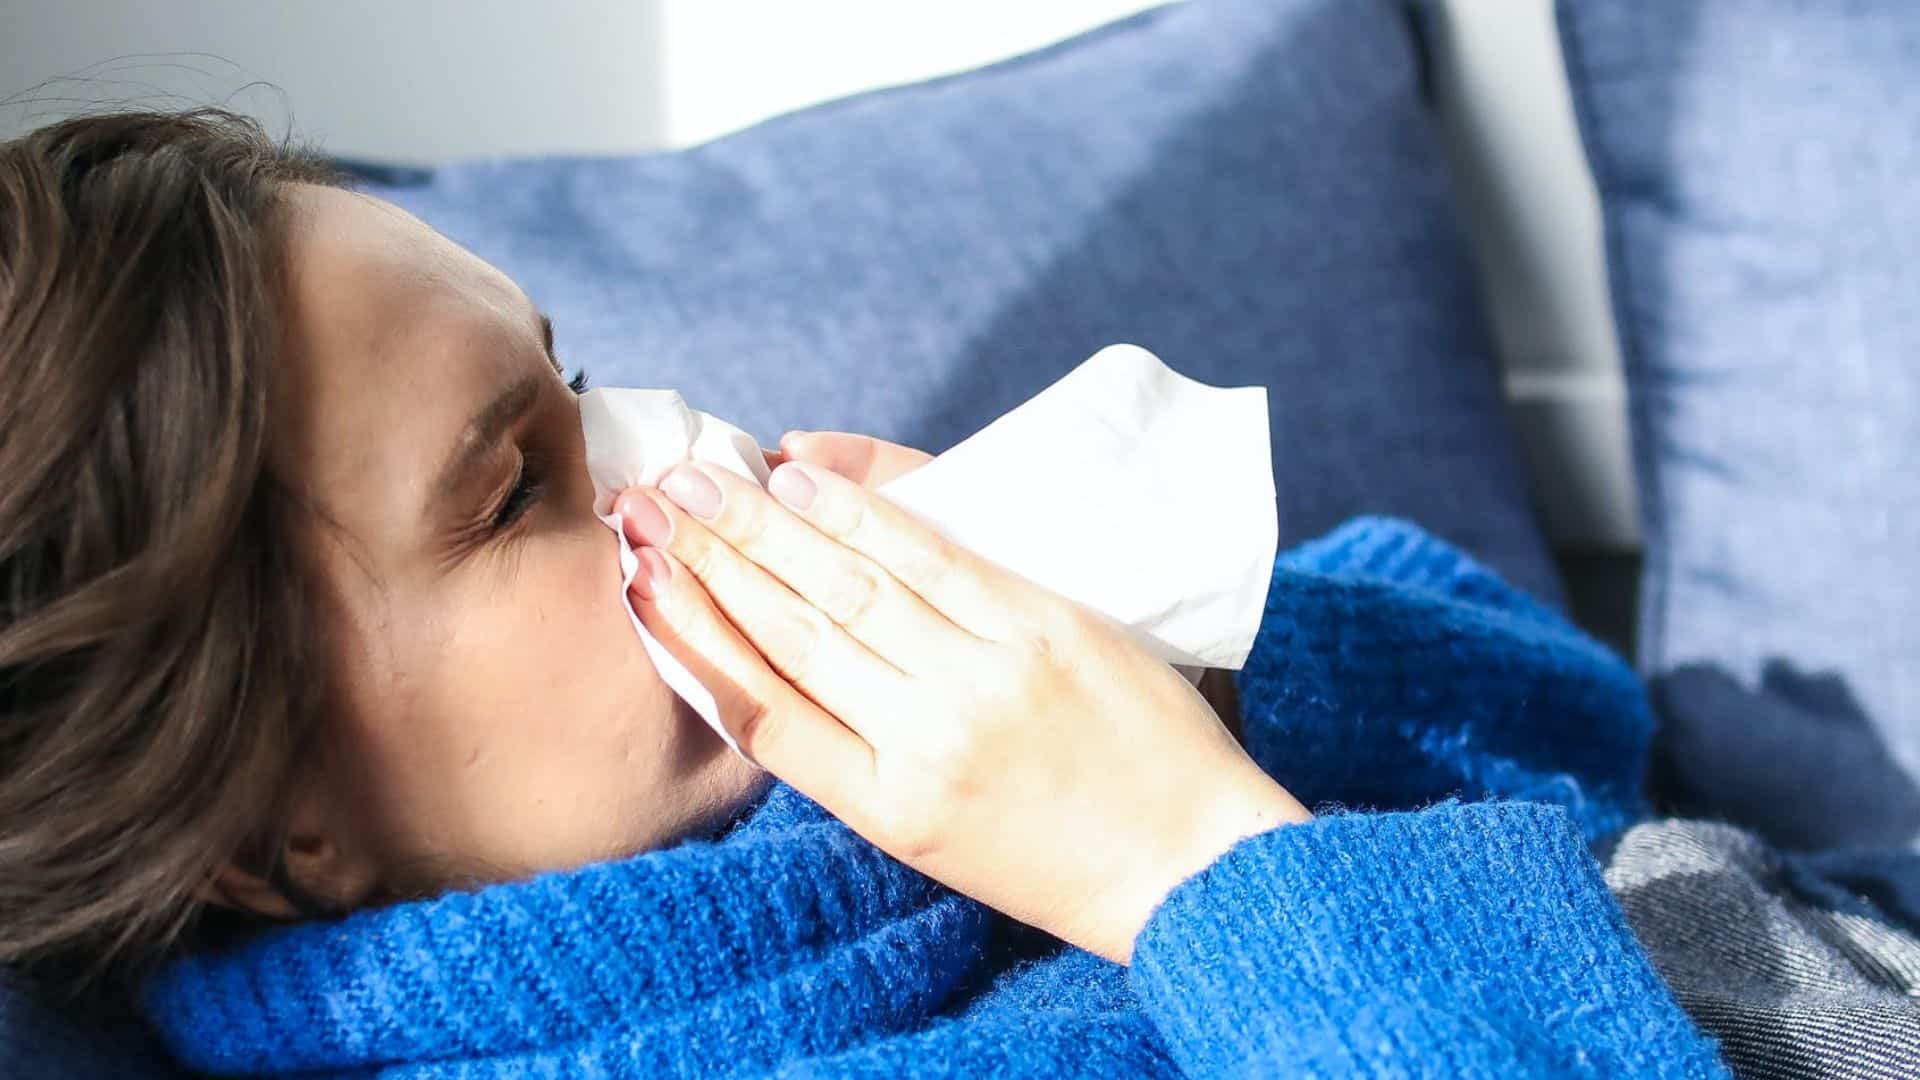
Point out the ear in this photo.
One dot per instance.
(243, 890)
(322, 856)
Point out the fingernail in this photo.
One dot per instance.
(690, 487)
(653, 574)
(642, 583)
(646, 522)
(791, 485)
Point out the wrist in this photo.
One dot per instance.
(1257, 805)
(1232, 812)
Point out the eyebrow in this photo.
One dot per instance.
(485, 430)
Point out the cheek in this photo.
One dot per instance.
(563, 618)
(543, 737)
(579, 729)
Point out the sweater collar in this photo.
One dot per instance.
(787, 935)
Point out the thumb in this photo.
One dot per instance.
(863, 459)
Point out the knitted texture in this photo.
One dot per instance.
(793, 937)
(1392, 671)
(1435, 924)
(1453, 940)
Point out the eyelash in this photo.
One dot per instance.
(527, 489)
(530, 485)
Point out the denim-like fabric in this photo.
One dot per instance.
(1247, 187)
(1759, 166)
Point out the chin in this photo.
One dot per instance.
(724, 785)
(737, 789)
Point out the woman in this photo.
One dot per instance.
(306, 616)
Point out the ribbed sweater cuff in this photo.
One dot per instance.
(1459, 940)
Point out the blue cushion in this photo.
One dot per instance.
(1756, 161)
(1247, 187)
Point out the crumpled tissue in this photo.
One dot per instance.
(1125, 486)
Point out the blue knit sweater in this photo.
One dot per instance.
(1455, 926)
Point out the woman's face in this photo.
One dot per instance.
(495, 713)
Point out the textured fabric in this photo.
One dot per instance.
(672, 963)
(41, 1042)
(1889, 880)
(1465, 939)
(1790, 985)
(1247, 187)
(1755, 161)
(1231, 972)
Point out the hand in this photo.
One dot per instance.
(872, 462)
(991, 734)
(865, 460)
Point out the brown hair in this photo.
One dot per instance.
(156, 670)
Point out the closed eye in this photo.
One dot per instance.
(527, 489)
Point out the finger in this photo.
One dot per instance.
(798, 640)
(779, 728)
(869, 603)
(862, 459)
(975, 594)
(773, 458)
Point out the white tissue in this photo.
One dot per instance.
(633, 437)
(1125, 486)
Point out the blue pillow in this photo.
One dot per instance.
(1247, 187)
(1757, 164)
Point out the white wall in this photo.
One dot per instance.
(734, 62)
(1510, 130)
(414, 80)
(1534, 217)
(428, 80)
